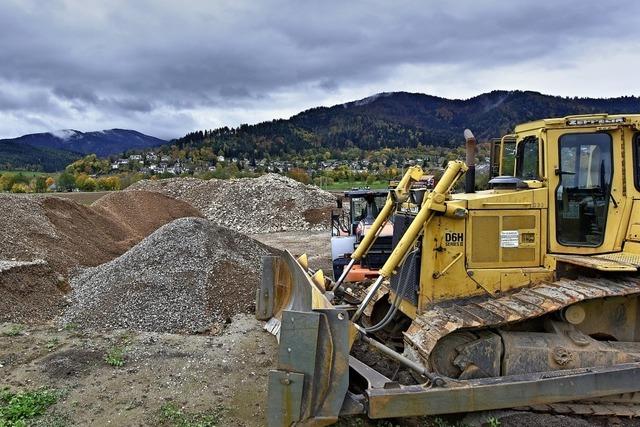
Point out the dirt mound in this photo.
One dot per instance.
(62, 235)
(30, 291)
(266, 204)
(188, 276)
(143, 211)
(67, 234)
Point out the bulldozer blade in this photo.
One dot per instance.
(286, 285)
(311, 382)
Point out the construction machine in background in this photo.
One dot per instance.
(348, 229)
(361, 237)
(524, 295)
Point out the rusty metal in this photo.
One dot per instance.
(442, 319)
(622, 258)
(503, 392)
(600, 263)
(434, 379)
(312, 378)
(563, 348)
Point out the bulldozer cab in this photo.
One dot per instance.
(574, 159)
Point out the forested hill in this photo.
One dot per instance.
(52, 151)
(398, 119)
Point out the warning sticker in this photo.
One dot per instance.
(509, 238)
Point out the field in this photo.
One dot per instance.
(347, 185)
(29, 174)
(82, 197)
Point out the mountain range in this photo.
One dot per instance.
(52, 151)
(384, 120)
(400, 119)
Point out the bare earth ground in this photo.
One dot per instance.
(316, 244)
(222, 376)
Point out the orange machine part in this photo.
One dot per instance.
(359, 273)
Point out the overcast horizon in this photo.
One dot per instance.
(166, 69)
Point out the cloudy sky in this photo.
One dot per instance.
(169, 67)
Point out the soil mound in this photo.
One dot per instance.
(265, 204)
(188, 276)
(31, 292)
(45, 238)
(143, 212)
(67, 234)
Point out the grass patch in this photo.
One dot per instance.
(171, 415)
(348, 185)
(14, 331)
(115, 357)
(28, 174)
(17, 409)
(52, 344)
(70, 327)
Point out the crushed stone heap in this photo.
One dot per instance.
(189, 276)
(265, 204)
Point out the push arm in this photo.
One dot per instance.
(396, 196)
(434, 203)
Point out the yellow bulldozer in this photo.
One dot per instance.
(523, 295)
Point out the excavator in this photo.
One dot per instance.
(525, 295)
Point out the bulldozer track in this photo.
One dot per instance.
(528, 303)
(623, 405)
(587, 409)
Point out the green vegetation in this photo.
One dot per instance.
(52, 343)
(26, 173)
(171, 415)
(18, 409)
(347, 185)
(14, 331)
(25, 182)
(16, 155)
(115, 357)
(70, 327)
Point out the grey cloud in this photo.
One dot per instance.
(111, 58)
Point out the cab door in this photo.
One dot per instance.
(585, 190)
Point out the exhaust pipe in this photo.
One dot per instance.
(470, 177)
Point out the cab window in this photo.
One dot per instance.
(527, 158)
(583, 192)
(508, 157)
(636, 155)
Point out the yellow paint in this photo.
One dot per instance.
(483, 262)
(399, 197)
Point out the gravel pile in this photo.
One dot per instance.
(22, 223)
(189, 276)
(44, 239)
(266, 204)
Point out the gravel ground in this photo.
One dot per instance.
(189, 276)
(266, 204)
